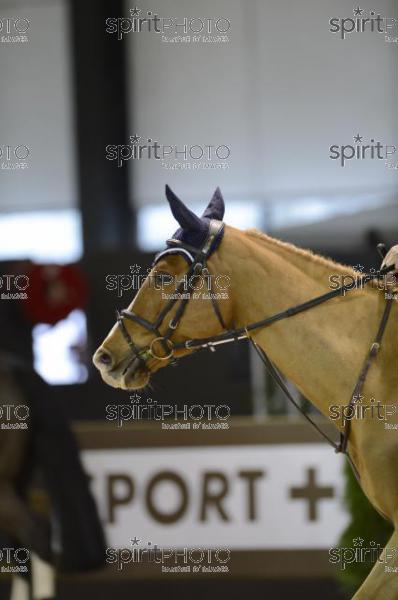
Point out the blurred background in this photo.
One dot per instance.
(271, 101)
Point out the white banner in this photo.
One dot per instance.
(241, 497)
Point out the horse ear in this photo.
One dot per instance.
(185, 217)
(216, 207)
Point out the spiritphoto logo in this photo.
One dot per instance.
(14, 157)
(362, 409)
(391, 296)
(14, 416)
(14, 29)
(363, 22)
(358, 553)
(172, 417)
(171, 29)
(171, 560)
(204, 286)
(362, 150)
(348, 281)
(125, 282)
(170, 157)
(14, 560)
(13, 287)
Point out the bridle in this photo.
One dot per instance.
(197, 260)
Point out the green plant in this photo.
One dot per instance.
(366, 523)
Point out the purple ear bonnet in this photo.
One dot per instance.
(193, 230)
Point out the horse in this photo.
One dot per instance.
(44, 444)
(28, 530)
(322, 350)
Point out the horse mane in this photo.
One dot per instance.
(326, 262)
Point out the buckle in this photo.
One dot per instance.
(172, 326)
(375, 347)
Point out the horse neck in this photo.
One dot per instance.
(321, 350)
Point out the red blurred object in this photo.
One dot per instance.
(53, 292)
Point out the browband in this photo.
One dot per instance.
(181, 251)
(190, 253)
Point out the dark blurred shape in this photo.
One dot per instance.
(101, 119)
(47, 445)
(373, 237)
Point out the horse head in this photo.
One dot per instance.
(177, 302)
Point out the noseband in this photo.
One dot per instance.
(162, 347)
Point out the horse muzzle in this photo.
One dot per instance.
(128, 374)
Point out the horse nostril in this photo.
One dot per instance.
(104, 358)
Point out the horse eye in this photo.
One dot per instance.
(162, 278)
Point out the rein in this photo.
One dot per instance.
(233, 335)
(341, 446)
(197, 260)
(243, 333)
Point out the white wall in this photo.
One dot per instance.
(280, 93)
(36, 108)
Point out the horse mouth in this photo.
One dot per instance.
(135, 380)
(130, 375)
